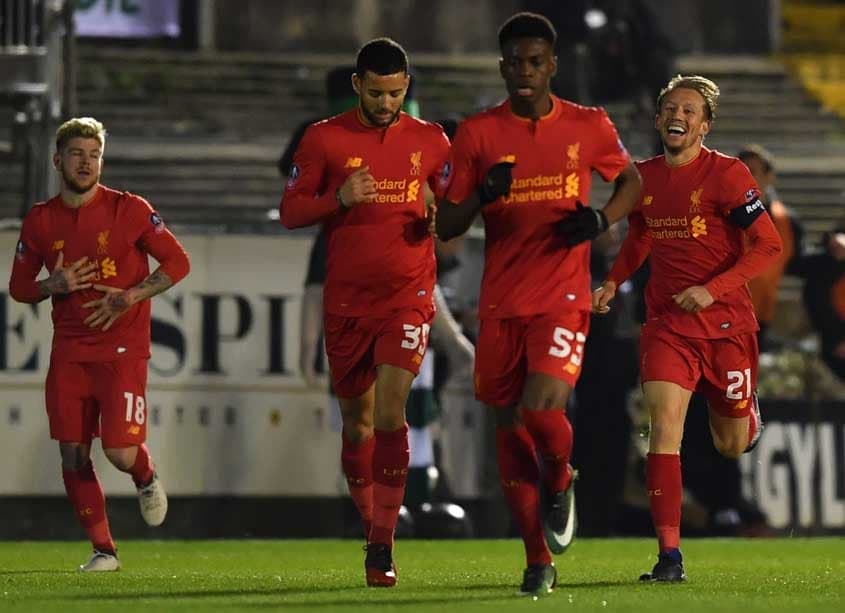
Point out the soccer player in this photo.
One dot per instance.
(698, 209)
(361, 174)
(94, 242)
(526, 165)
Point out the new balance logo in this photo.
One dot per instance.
(354, 163)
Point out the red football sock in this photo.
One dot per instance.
(357, 462)
(663, 479)
(142, 470)
(390, 472)
(552, 433)
(519, 474)
(88, 501)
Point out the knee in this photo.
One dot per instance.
(74, 456)
(122, 458)
(357, 431)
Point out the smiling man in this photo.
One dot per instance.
(362, 175)
(526, 165)
(94, 242)
(702, 225)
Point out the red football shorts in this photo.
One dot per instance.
(356, 345)
(85, 399)
(723, 369)
(509, 349)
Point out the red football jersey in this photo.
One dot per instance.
(683, 222)
(527, 268)
(116, 230)
(380, 254)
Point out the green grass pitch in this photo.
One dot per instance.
(319, 575)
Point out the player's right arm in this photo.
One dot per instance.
(28, 261)
(466, 195)
(310, 197)
(634, 251)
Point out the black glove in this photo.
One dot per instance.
(496, 183)
(584, 224)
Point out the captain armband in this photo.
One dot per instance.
(747, 214)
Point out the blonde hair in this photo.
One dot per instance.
(80, 127)
(704, 86)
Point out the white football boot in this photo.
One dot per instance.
(101, 563)
(153, 501)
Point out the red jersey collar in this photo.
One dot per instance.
(703, 152)
(554, 113)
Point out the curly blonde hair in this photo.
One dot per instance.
(704, 86)
(80, 127)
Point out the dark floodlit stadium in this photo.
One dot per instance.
(424, 304)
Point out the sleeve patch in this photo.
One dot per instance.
(20, 249)
(294, 175)
(157, 222)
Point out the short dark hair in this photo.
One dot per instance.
(761, 153)
(527, 25)
(381, 56)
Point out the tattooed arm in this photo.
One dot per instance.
(115, 301)
(66, 280)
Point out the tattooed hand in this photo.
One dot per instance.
(107, 309)
(66, 280)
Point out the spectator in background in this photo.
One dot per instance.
(764, 288)
(824, 296)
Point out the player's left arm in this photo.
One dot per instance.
(612, 162)
(174, 265)
(764, 244)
